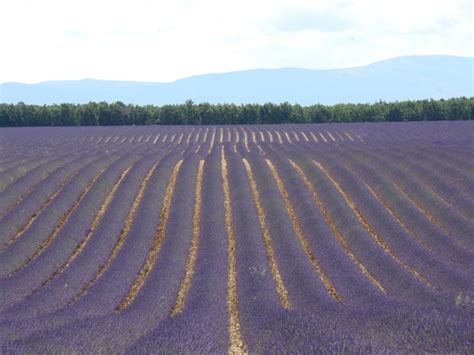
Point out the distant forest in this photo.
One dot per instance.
(117, 113)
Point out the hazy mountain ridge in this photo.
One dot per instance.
(403, 78)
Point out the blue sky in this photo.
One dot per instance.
(149, 40)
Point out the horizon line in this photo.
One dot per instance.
(236, 71)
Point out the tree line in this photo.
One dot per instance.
(117, 113)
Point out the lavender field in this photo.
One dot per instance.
(349, 238)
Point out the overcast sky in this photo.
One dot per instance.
(158, 40)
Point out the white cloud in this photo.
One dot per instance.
(163, 40)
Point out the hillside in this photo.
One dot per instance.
(403, 78)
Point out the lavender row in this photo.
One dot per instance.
(31, 178)
(426, 232)
(39, 270)
(452, 223)
(22, 211)
(398, 238)
(421, 226)
(163, 271)
(106, 227)
(54, 296)
(19, 252)
(439, 179)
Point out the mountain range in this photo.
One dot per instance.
(402, 78)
